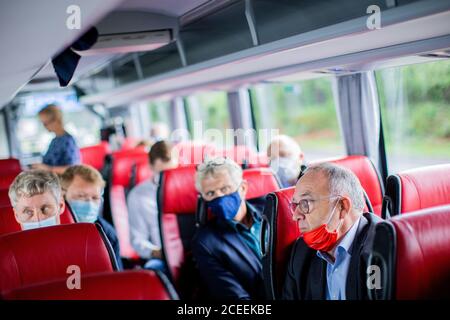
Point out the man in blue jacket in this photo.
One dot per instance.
(227, 248)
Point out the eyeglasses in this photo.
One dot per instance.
(216, 162)
(305, 205)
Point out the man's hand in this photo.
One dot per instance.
(157, 254)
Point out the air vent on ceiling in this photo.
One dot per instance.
(129, 42)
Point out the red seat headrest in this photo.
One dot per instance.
(95, 155)
(364, 169)
(261, 181)
(9, 169)
(178, 193)
(122, 165)
(4, 198)
(8, 223)
(127, 285)
(282, 234)
(423, 259)
(39, 255)
(425, 187)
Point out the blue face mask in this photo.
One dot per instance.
(39, 224)
(86, 211)
(225, 207)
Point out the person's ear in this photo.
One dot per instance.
(244, 188)
(344, 207)
(62, 206)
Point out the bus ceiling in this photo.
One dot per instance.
(171, 47)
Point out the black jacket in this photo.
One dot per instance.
(228, 267)
(306, 277)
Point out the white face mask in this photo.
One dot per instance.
(287, 169)
(39, 224)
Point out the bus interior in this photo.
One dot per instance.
(364, 84)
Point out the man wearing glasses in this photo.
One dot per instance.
(227, 248)
(328, 260)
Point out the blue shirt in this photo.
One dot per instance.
(337, 271)
(250, 236)
(62, 151)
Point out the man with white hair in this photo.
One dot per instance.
(36, 199)
(227, 248)
(328, 261)
(286, 159)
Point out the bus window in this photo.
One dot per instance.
(304, 110)
(209, 119)
(79, 121)
(159, 111)
(4, 152)
(415, 109)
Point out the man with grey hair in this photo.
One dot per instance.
(328, 261)
(36, 199)
(227, 248)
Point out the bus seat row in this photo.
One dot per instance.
(95, 155)
(401, 241)
(178, 210)
(43, 270)
(412, 252)
(417, 189)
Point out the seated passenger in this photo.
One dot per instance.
(286, 159)
(143, 209)
(327, 262)
(227, 249)
(83, 189)
(36, 199)
(63, 150)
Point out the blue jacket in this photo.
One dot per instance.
(228, 267)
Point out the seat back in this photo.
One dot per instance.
(177, 203)
(368, 176)
(190, 152)
(412, 253)
(278, 234)
(9, 169)
(128, 167)
(8, 223)
(127, 285)
(44, 254)
(95, 155)
(417, 189)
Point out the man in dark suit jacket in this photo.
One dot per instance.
(227, 249)
(329, 261)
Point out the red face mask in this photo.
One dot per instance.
(321, 239)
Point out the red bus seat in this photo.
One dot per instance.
(412, 253)
(278, 234)
(95, 155)
(44, 254)
(127, 285)
(177, 203)
(417, 189)
(368, 176)
(9, 169)
(128, 167)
